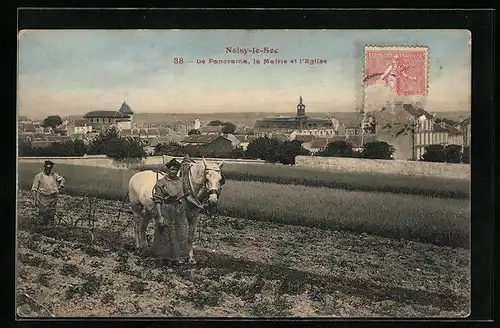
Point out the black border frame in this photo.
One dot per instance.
(479, 22)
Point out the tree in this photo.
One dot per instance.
(228, 127)
(264, 148)
(378, 150)
(237, 152)
(66, 148)
(434, 153)
(337, 148)
(25, 148)
(215, 123)
(109, 142)
(466, 155)
(194, 131)
(121, 148)
(453, 153)
(289, 150)
(170, 148)
(99, 145)
(52, 121)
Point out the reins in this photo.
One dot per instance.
(189, 184)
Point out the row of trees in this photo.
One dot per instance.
(448, 154)
(271, 150)
(108, 142)
(176, 149)
(372, 150)
(284, 152)
(383, 150)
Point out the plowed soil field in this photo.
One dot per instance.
(245, 268)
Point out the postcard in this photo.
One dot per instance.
(243, 173)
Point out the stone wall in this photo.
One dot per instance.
(397, 167)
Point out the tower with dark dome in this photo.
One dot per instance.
(301, 118)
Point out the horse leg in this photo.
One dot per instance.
(137, 212)
(193, 216)
(146, 218)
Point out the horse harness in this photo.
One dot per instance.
(202, 196)
(187, 184)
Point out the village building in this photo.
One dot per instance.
(211, 129)
(395, 123)
(181, 127)
(453, 135)
(410, 129)
(122, 117)
(211, 143)
(465, 126)
(306, 140)
(245, 140)
(242, 129)
(287, 124)
(80, 127)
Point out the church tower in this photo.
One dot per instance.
(301, 108)
(301, 117)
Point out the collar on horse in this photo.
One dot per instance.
(187, 183)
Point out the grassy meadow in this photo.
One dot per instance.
(374, 182)
(429, 219)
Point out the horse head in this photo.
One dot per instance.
(213, 181)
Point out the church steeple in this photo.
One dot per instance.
(301, 108)
(301, 117)
(125, 109)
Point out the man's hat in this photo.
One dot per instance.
(49, 163)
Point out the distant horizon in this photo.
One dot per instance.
(71, 72)
(233, 113)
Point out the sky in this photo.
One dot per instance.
(75, 71)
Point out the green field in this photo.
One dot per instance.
(376, 182)
(435, 220)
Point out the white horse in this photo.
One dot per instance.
(203, 181)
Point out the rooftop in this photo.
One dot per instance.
(465, 121)
(417, 111)
(305, 138)
(453, 131)
(106, 114)
(439, 128)
(278, 119)
(245, 137)
(125, 109)
(320, 143)
(200, 138)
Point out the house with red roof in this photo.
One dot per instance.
(209, 143)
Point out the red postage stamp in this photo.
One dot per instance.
(402, 69)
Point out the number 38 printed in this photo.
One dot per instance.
(178, 60)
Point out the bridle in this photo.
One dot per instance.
(213, 190)
(208, 190)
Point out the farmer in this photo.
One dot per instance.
(45, 189)
(170, 242)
